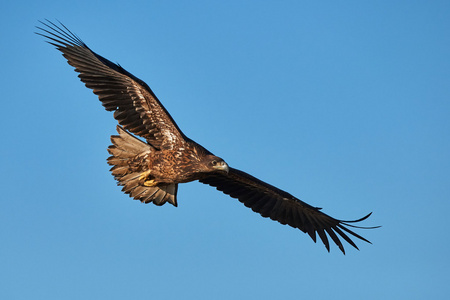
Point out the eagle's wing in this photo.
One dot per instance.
(281, 206)
(134, 104)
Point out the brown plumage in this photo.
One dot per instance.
(151, 170)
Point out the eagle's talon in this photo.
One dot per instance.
(144, 175)
(143, 179)
(150, 183)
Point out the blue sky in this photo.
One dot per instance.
(345, 105)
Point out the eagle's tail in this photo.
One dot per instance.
(128, 158)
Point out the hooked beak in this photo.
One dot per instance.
(222, 166)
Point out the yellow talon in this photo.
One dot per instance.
(150, 183)
(144, 175)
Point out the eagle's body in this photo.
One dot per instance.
(180, 165)
(153, 175)
(151, 169)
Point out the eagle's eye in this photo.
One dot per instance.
(214, 162)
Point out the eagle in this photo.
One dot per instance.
(151, 167)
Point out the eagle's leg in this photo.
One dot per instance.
(144, 178)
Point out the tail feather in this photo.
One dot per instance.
(128, 158)
(119, 171)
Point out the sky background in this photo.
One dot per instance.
(344, 104)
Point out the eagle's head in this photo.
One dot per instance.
(215, 164)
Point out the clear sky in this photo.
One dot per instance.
(344, 104)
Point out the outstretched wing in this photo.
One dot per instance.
(134, 104)
(271, 202)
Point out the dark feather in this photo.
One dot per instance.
(281, 206)
(118, 89)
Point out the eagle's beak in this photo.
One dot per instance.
(222, 166)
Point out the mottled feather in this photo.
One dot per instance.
(129, 157)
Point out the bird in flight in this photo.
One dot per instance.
(151, 170)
